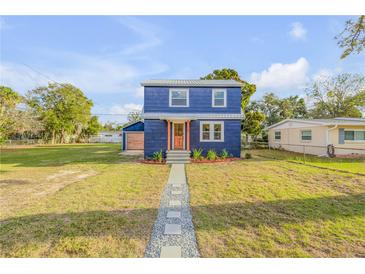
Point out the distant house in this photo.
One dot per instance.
(346, 135)
(182, 115)
(106, 137)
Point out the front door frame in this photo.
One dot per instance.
(173, 134)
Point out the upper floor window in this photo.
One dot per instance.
(354, 135)
(219, 97)
(277, 135)
(306, 135)
(179, 97)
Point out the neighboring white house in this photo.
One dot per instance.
(346, 135)
(107, 137)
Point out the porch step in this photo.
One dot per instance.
(177, 157)
(173, 152)
(177, 161)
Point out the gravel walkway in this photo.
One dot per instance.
(173, 236)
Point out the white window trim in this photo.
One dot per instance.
(225, 97)
(211, 131)
(353, 141)
(179, 89)
(277, 140)
(305, 141)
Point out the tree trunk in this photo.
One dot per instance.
(53, 137)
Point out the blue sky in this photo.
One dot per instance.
(107, 57)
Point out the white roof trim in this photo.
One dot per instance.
(319, 123)
(192, 116)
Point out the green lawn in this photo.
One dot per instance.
(272, 208)
(76, 201)
(350, 165)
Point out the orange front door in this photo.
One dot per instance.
(179, 136)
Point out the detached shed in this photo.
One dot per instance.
(133, 136)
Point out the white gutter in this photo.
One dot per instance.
(328, 132)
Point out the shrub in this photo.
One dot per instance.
(157, 156)
(197, 154)
(211, 155)
(224, 154)
(248, 156)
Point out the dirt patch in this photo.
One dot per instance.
(63, 178)
(14, 182)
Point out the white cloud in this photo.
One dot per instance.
(283, 76)
(298, 32)
(124, 109)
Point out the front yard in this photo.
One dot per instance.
(89, 201)
(272, 208)
(76, 201)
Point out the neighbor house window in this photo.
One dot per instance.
(211, 131)
(219, 98)
(354, 135)
(179, 97)
(306, 135)
(277, 135)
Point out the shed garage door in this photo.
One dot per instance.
(135, 140)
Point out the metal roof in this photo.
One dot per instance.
(325, 122)
(191, 83)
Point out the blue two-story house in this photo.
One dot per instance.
(182, 115)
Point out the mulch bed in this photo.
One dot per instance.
(152, 162)
(206, 161)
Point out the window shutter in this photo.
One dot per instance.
(341, 135)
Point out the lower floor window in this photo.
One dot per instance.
(354, 135)
(211, 131)
(306, 135)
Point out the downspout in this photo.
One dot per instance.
(328, 131)
(327, 136)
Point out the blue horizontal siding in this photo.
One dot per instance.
(232, 138)
(155, 137)
(156, 99)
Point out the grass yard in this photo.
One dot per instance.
(350, 165)
(272, 208)
(76, 201)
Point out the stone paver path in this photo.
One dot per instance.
(173, 232)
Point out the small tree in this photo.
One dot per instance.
(92, 128)
(134, 116)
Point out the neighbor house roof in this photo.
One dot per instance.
(325, 122)
(191, 83)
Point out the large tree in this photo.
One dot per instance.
(247, 90)
(277, 109)
(352, 38)
(63, 108)
(337, 96)
(8, 102)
